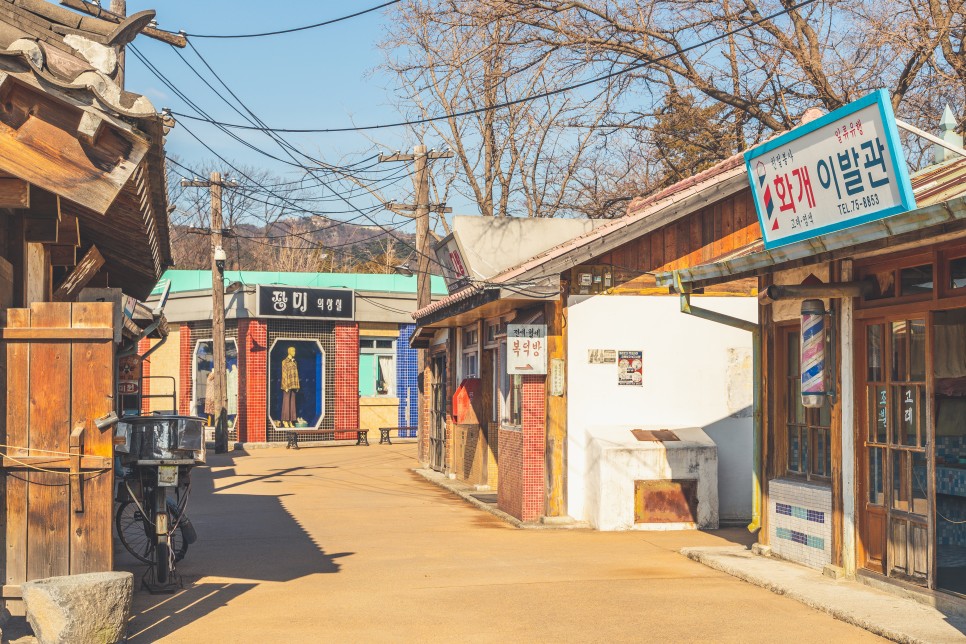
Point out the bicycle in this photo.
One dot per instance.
(157, 454)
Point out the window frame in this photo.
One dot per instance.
(377, 351)
(809, 428)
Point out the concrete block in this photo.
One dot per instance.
(91, 608)
(833, 572)
(761, 550)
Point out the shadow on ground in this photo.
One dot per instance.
(241, 538)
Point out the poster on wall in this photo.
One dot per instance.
(205, 398)
(630, 368)
(526, 349)
(296, 383)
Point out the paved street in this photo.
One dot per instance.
(347, 544)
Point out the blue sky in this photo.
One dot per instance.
(323, 77)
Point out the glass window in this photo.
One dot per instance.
(885, 280)
(808, 430)
(915, 280)
(957, 272)
(377, 367)
(876, 476)
(511, 395)
(874, 355)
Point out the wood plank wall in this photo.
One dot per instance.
(701, 237)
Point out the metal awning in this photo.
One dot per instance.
(943, 217)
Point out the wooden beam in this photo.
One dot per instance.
(55, 462)
(40, 231)
(42, 216)
(95, 10)
(14, 193)
(57, 333)
(68, 232)
(85, 270)
(62, 254)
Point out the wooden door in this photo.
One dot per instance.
(437, 415)
(894, 432)
(57, 471)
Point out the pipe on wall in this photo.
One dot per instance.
(755, 330)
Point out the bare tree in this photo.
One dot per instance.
(464, 57)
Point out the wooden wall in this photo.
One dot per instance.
(704, 236)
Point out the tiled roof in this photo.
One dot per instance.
(72, 52)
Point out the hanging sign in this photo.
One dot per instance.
(129, 374)
(838, 171)
(304, 303)
(526, 349)
(630, 368)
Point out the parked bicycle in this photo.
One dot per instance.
(157, 454)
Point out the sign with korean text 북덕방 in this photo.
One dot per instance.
(304, 303)
(838, 171)
(526, 349)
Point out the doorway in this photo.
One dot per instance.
(896, 499)
(437, 414)
(949, 331)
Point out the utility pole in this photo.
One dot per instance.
(420, 212)
(218, 257)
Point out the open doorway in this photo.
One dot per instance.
(950, 379)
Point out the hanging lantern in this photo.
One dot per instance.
(813, 360)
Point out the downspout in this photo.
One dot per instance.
(755, 330)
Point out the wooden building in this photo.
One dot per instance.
(83, 197)
(873, 481)
(527, 436)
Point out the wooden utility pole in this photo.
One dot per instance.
(218, 257)
(420, 212)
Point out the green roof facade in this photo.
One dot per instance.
(182, 281)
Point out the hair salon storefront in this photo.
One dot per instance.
(317, 351)
(867, 470)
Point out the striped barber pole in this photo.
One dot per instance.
(813, 353)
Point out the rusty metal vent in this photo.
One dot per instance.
(674, 501)
(655, 435)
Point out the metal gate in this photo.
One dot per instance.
(437, 415)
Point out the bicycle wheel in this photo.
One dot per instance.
(137, 533)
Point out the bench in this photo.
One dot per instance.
(384, 433)
(362, 435)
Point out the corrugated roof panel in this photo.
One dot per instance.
(201, 281)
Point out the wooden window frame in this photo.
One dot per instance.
(810, 427)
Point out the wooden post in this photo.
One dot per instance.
(556, 408)
(218, 317)
(119, 7)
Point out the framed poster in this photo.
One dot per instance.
(630, 368)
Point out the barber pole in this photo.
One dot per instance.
(813, 353)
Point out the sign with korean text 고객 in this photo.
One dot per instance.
(526, 349)
(838, 171)
(304, 303)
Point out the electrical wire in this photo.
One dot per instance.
(294, 29)
(524, 99)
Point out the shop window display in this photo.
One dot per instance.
(296, 383)
(204, 391)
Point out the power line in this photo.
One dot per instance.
(525, 99)
(295, 29)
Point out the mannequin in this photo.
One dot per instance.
(290, 385)
(210, 397)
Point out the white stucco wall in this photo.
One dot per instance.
(696, 373)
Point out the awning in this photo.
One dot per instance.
(943, 217)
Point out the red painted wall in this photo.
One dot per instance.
(346, 379)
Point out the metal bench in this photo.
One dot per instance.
(362, 435)
(384, 433)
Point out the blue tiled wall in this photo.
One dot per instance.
(406, 373)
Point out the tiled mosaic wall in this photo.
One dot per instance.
(800, 521)
(144, 345)
(346, 410)
(252, 394)
(184, 370)
(324, 332)
(522, 486)
(407, 388)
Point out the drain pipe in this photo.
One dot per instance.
(684, 292)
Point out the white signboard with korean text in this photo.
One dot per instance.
(838, 171)
(526, 349)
